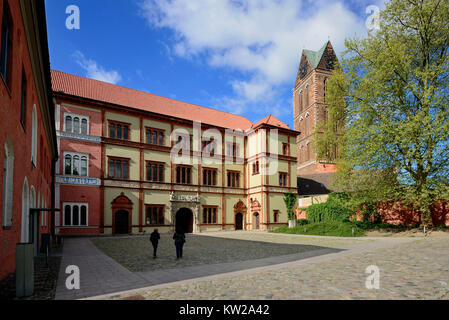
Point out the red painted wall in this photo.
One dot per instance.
(11, 128)
(90, 195)
(82, 194)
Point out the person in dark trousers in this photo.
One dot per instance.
(154, 238)
(180, 239)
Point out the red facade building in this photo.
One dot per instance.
(27, 135)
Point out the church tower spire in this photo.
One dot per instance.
(314, 69)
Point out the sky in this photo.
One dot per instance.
(239, 56)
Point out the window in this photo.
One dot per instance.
(209, 177)
(307, 151)
(324, 89)
(84, 126)
(306, 97)
(232, 150)
(155, 171)
(5, 54)
(155, 215)
(285, 149)
(155, 136)
(34, 137)
(283, 179)
(118, 130)
(210, 215)
(118, 168)
(276, 216)
(23, 98)
(77, 124)
(300, 102)
(184, 174)
(256, 168)
(68, 124)
(209, 147)
(233, 179)
(183, 142)
(8, 174)
(76, 164)
(76, 214)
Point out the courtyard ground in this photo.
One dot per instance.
(257, 265)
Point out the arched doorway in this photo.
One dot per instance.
(121, 222)
(256, 221)
(239, 221)
(184, 220)
(122, 208)
(239, 214)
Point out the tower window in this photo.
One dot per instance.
(23, 99)
(6, 45)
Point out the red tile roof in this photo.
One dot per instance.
(110, 93)
(272, 120)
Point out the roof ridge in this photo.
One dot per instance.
(153, 94)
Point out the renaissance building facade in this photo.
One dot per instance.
(131, 161)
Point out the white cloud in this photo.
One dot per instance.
(262, 38)
(95, 71)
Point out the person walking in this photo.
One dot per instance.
(180, 239)
(154, 238)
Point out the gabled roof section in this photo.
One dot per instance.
(315, 56)
(109, 93)
(324, 59)
(273, 121)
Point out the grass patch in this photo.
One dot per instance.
(379, 226)
(330, 228)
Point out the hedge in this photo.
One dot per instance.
(328, 211)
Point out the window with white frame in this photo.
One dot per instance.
(76, 164)
(74, 123)
(76, 214)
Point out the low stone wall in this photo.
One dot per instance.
(396, 214)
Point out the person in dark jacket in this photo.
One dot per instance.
(180, 239)
(154, 238)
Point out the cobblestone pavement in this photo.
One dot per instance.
(136, 253)
(409, 269)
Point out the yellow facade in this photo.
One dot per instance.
(256, 197)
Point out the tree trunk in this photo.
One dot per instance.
(426, 218)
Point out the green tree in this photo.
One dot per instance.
(392, 94)
(290, 203)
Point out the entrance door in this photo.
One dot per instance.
(256, 221)
(122, 222)
(184, 221)
(239, 221)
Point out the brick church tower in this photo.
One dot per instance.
(314, 175)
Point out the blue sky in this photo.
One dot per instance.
(237, 56)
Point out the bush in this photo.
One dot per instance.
(302, 222)
(328, 211)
